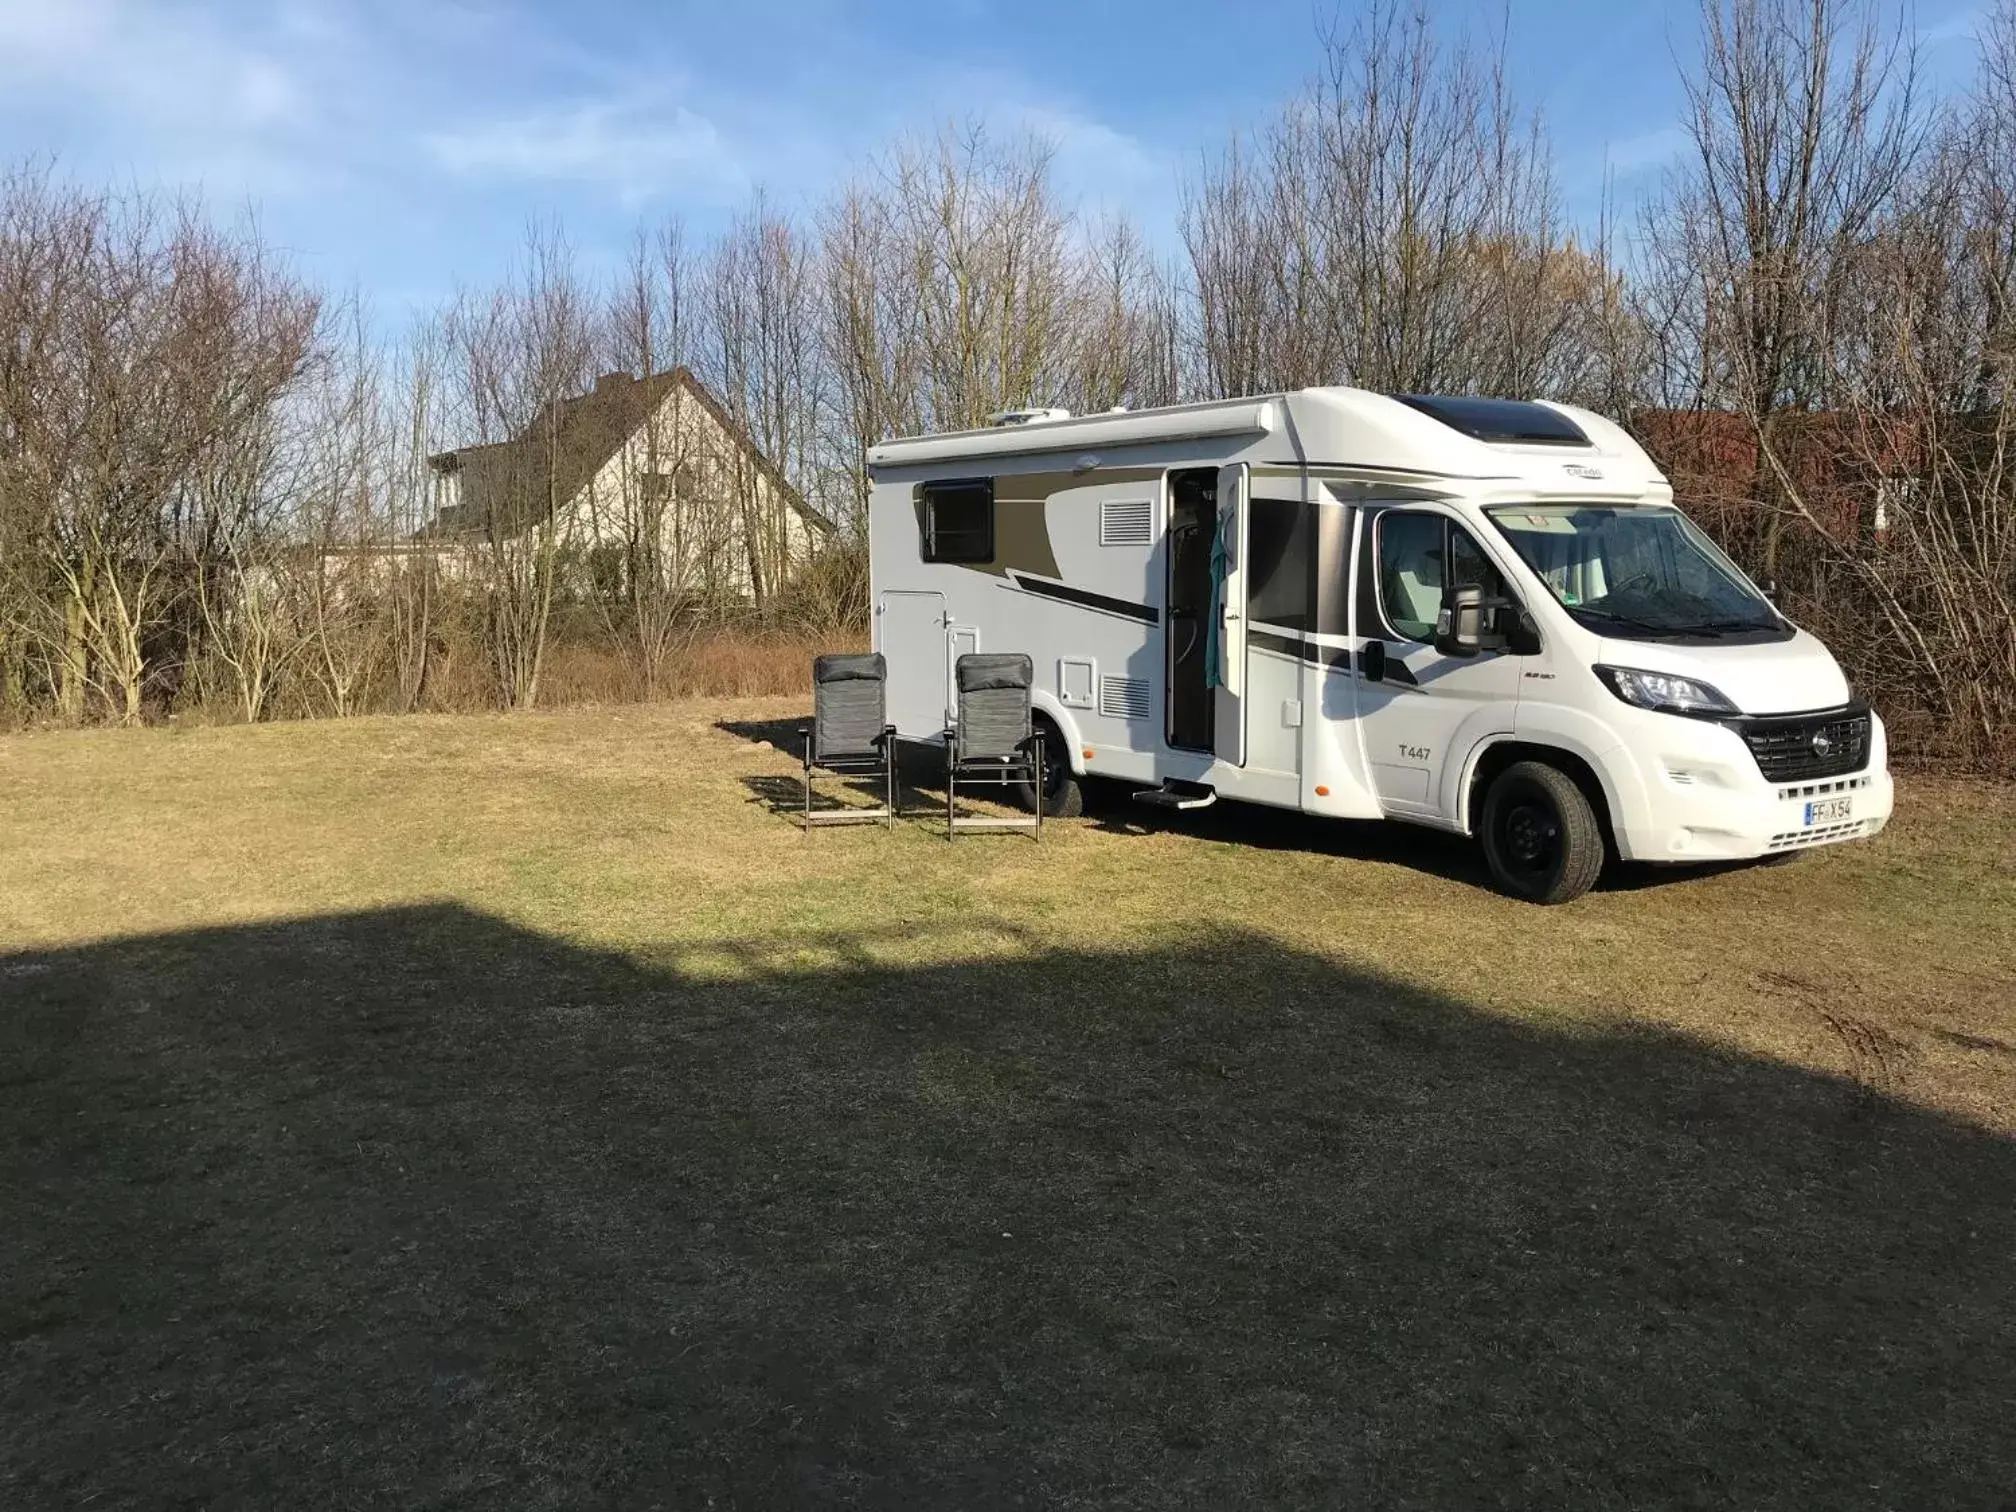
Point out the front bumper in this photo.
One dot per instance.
(1699, 796)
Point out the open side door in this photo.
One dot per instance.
(1229, 724)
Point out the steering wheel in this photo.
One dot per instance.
(1648, 578)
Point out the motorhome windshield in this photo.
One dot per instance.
(1637, 573)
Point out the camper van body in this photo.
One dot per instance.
(1310, 665)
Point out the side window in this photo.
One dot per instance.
(958, 521)
(1277, 549)
(1411, 572)
(1470, 568)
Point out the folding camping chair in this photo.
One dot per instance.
(994, 743)
(850, 735)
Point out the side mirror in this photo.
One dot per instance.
(1459, 628)
(1770, 587)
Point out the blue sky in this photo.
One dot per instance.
(403, 144)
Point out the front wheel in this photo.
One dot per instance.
(1063, 794)
(1540, 835)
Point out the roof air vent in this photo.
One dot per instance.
(1027, 416)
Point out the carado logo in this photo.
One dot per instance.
(1583, 470)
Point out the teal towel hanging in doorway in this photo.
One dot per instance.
(1219, 561)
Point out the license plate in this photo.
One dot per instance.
(1827, 811)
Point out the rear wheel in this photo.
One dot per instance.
(1540, 835)
(1063, 794)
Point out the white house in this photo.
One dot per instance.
(637, 474)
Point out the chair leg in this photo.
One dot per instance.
(1039, 789)
(808, 789)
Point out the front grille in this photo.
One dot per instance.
(1825, 789)
(1825, 834)
(1808, 745)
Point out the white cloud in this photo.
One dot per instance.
(166, 65)
(625, 148)
(1092, 149)
(1962, 26)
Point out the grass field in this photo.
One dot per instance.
(516, 1111)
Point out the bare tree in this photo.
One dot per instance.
(649, 524)
(1396, 227)
(148, 352)
(1120, 327)
(516, 356)
(1806, 128)
(1832, 268)
(874, 340)
(412, 582)
(762, 291)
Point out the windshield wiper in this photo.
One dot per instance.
(1621, 619)
(1717, 627)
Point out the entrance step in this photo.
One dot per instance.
(1178, 794)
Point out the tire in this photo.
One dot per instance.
(1063, 794)
(1540, 835)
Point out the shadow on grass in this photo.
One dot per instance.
(414, 1208)
(920, 770)
(1110, 807)
(1433, 852)
(786, 795)
(1457, 858)
(783, 734)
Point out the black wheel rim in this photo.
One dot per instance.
(1056, 771)
(1529, 838)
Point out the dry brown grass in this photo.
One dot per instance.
(716, 664)
(1231, 1161)
(628, 826)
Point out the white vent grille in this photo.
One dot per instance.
(1819, 835)
(1124, 697)
(1126, 522)
(1816, 789)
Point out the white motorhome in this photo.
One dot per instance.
(1486, 616)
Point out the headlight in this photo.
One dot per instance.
(1664, 691)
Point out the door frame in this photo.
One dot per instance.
(1369, 623)
(1200, 684)
(1229, 705)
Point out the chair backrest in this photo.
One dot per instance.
(993, 702)
(848, 704)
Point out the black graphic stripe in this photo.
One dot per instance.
(1064, 593)
(1368, 467)
(1336, 658)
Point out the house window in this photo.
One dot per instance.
(958, 519)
